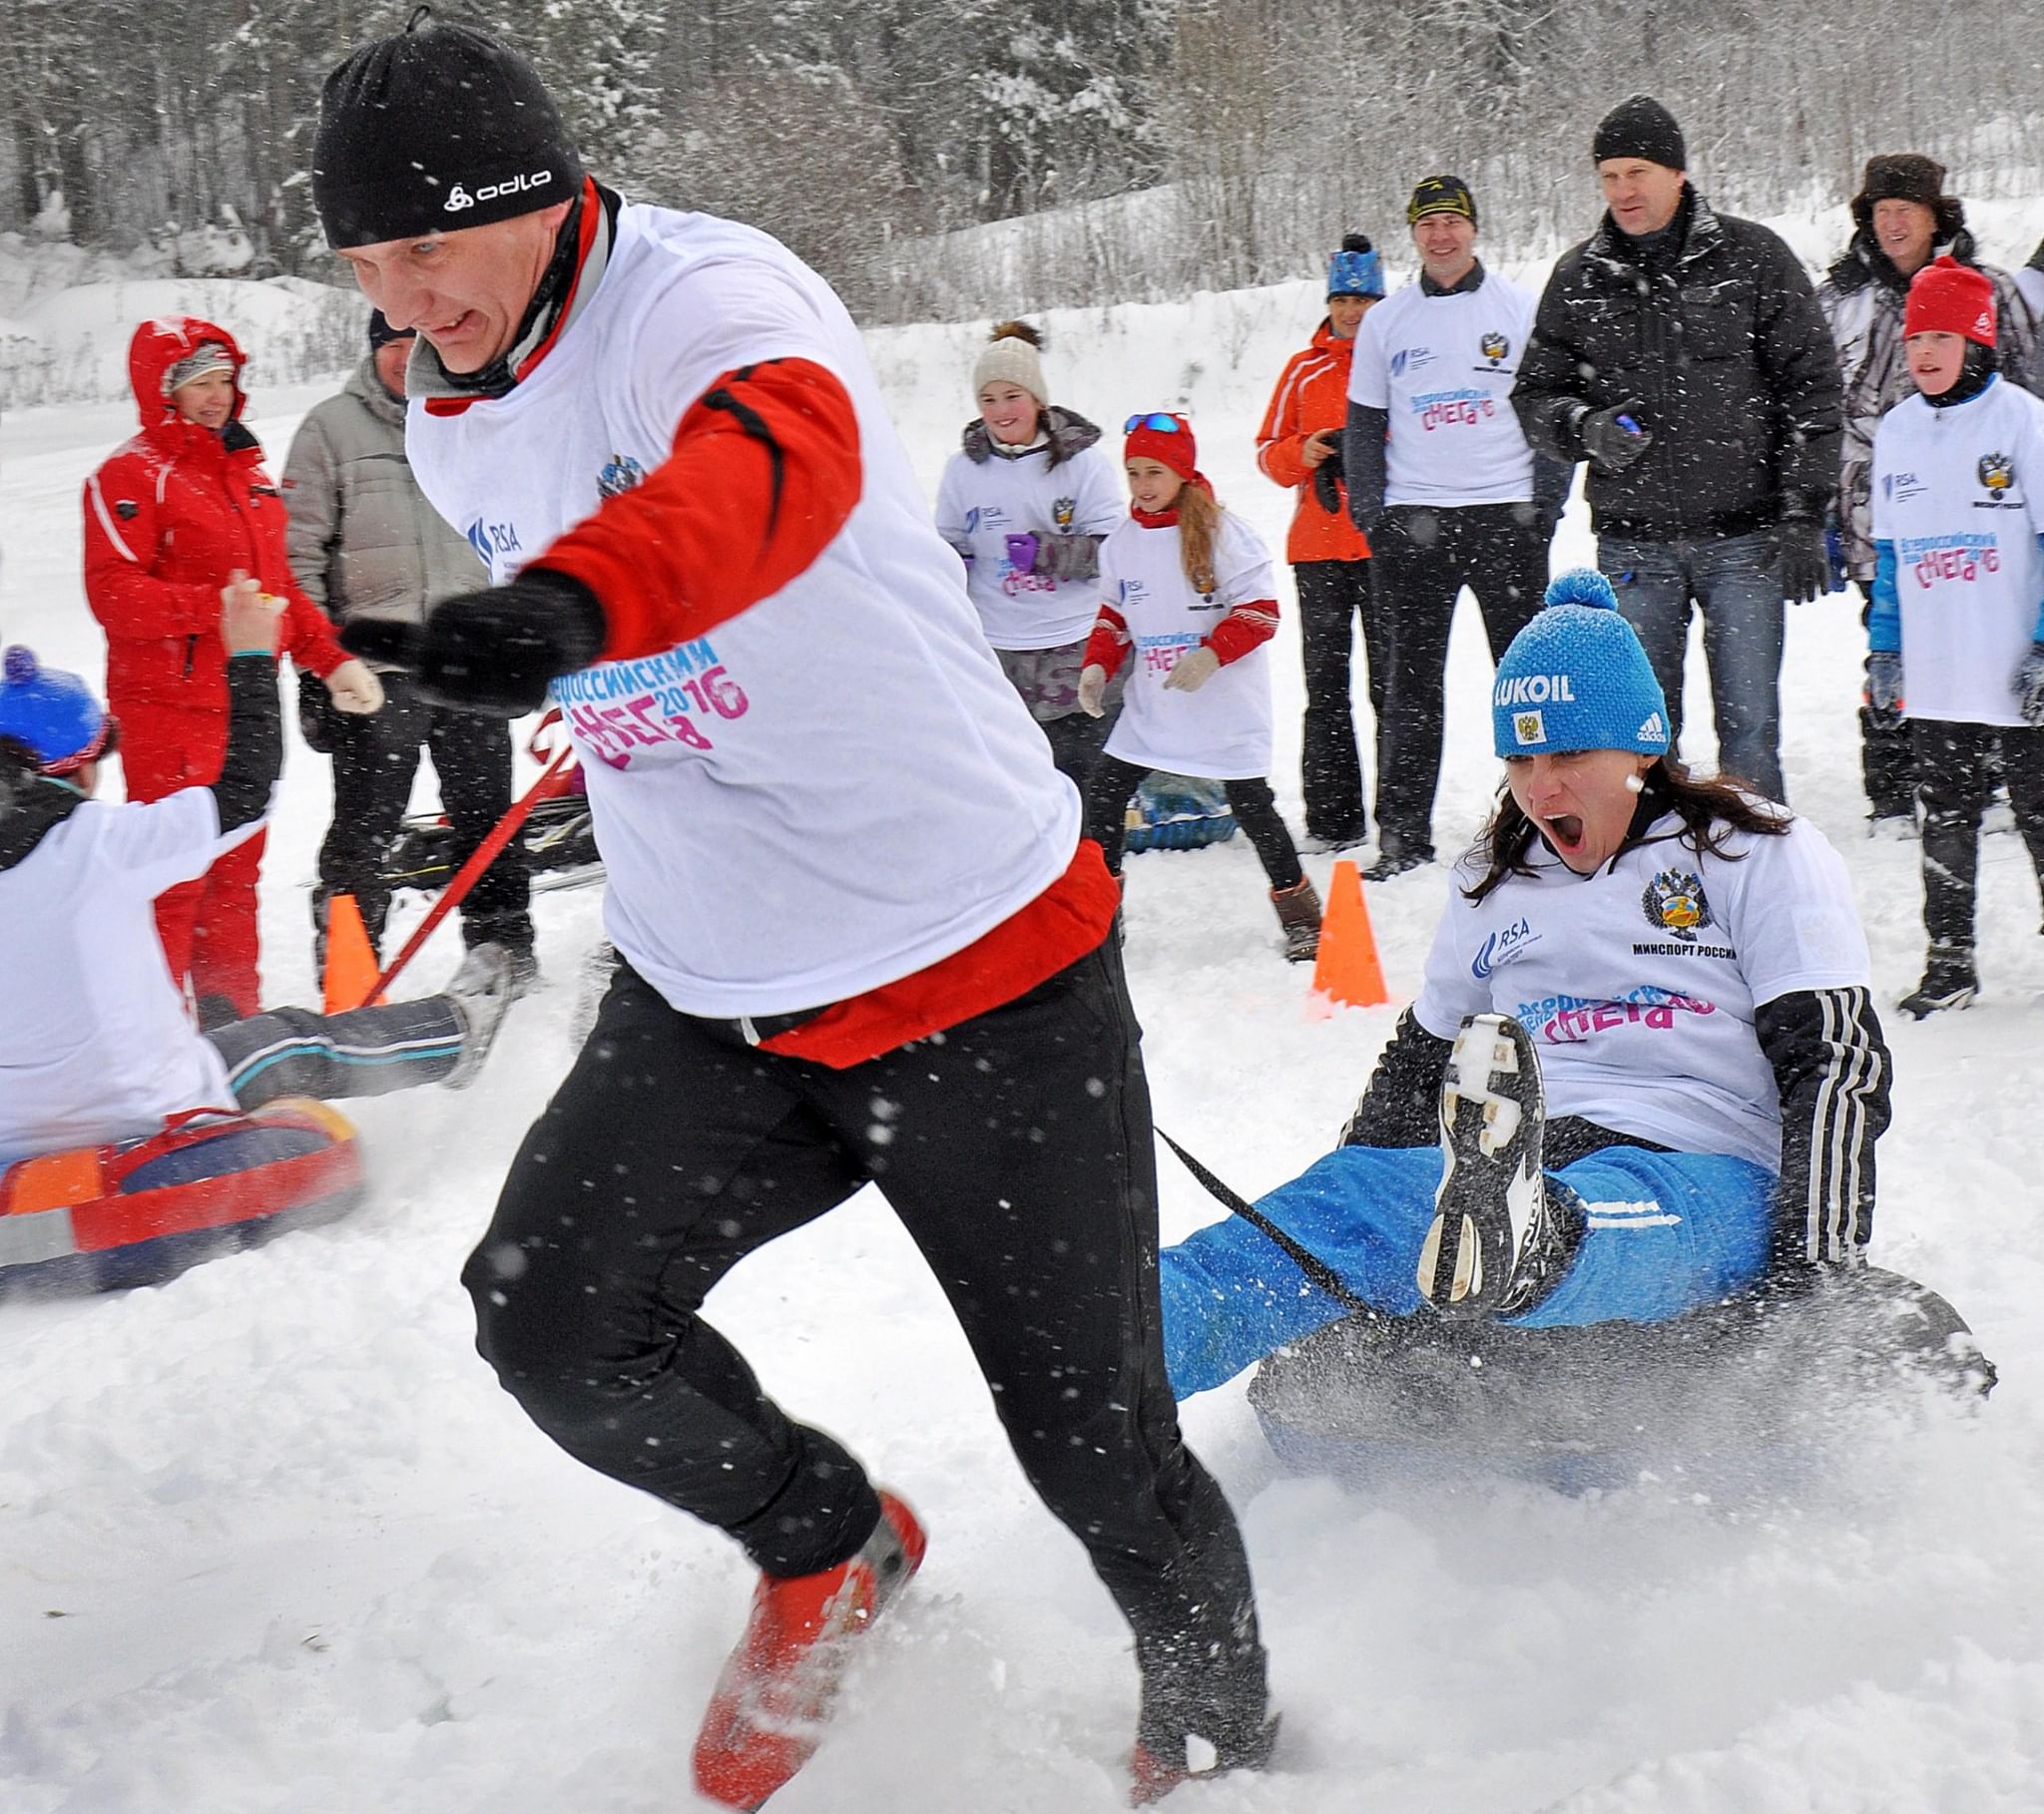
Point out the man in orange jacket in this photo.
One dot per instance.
(178, 512)
(1300, 445)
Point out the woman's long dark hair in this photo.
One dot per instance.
(1711, 812)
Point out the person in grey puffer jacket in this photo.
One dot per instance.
(1902, 219)
(365, 544)
(1026, 501)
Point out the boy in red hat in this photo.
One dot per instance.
(1958, 625)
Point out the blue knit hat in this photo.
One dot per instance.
(1576, 677)
(51, 715)
(1356, 270)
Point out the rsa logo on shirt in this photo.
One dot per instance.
(1501, 947)
(1410, 358)
(493, 541)
(1900, 486)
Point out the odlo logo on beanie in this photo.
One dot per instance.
(459, 197)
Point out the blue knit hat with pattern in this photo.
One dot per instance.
(1356, 270)
(50, 714)
(1576, 677)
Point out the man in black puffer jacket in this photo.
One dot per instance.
(1683, 354)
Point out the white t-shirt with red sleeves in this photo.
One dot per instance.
(1222, 731)
(1442, 368)
(1640, 983)
(981, 503)
(1961, 493)
(838, 786)
(95, 1043)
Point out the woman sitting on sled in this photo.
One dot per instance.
(1644, 1071)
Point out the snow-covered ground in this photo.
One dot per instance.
(275, 1540)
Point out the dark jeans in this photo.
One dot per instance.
(1333, 596)
(1955, 775)
(1422, 558)
(368, 1052)
(1016, 1151)
(374, 759)
(1732, 581)
(1253, 805)
(1887, 766)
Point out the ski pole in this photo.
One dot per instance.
(1316, 1270)
(470, 872)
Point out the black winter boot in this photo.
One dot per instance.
(1949, 981)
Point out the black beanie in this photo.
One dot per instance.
(436, 128)
(381, 333)
(1440, 196)
(1640, 128)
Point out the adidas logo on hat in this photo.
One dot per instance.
(1653, 728)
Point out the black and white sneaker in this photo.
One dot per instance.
(482, 992)
(1503, 1233)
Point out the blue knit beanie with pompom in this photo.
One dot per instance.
(1576, 677)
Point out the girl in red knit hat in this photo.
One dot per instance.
(1188, 600)
(1957, 622)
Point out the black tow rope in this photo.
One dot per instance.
(1317, 1272)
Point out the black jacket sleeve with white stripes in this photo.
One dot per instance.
(1832, 1069)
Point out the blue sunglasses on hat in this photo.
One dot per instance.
(1164, 425)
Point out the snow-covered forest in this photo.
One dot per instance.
(873, 135)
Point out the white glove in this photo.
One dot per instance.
(1093, 689)
(1193, 670)
(354, 689)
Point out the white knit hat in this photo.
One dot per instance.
(1012, 358)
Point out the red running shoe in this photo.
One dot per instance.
(774, 1699)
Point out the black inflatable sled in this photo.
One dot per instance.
(1729, 1396)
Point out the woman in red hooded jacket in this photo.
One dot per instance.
(179, 512)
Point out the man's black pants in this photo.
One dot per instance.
(1333, 596)
(375, 756)
(1017, 1153)
(1422, 557)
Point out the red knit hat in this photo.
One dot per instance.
(1173, 448)
(1948, 298)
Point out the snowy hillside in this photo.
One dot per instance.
(274, 1540)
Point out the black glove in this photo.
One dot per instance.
(1608, 443)
(315, 714)
(1795, 546)
(1328, 481)
(492, 651)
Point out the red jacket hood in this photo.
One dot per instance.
(160, 345)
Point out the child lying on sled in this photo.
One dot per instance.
(96, 1043)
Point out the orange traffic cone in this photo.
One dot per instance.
(1347, 970)
(350, 959)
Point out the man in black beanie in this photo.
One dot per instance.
(859, 937)
(1681, 353)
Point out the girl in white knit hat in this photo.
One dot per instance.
(1025, 502)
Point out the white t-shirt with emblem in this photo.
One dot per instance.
(1222, 731)
(95, 1044)
(1442, 367)
(981, 503)
(1640, 983)
(1961, 493)
(837, 787)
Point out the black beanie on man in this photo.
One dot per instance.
(436, 128)
(1640, 128)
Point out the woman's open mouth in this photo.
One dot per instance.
(1564, 829)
